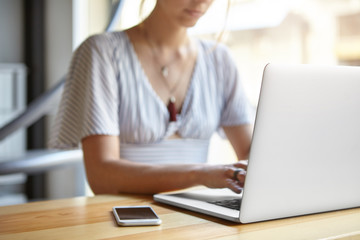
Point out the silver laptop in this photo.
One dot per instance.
(305, 152)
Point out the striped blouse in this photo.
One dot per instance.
(108, 93)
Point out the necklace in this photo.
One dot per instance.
(164, 72)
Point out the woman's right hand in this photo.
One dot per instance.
(230, 176)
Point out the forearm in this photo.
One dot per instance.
(108, 173)
(116, 176)
(240, 139)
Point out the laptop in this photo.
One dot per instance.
(305, 151)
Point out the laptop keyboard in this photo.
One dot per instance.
(229, 203)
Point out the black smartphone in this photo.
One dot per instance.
(135, 216)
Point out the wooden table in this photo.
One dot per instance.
(91, 218)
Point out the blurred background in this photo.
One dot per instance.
(37, 38)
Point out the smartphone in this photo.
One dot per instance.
(135, 216)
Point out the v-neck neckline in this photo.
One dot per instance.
(147, 84)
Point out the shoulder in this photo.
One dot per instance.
(215, 50)
(103, 41)
(102, 47)
(217, 56)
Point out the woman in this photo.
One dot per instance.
(144, 103)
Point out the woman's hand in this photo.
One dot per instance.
(225, 176)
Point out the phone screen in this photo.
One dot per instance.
(135, 213)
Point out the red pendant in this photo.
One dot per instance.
(172, 110)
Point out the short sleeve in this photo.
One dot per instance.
(89, 103)
(236, 109)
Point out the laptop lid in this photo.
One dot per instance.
(305, 152)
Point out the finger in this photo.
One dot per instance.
(229, 173)
(234, 186)
(240, 177)
(241, 164)
(233, 172)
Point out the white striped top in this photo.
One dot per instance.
(108, 93)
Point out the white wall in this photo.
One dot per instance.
(65, 182)
(11, 31)
(58, 38)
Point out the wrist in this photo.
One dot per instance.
(199, 174)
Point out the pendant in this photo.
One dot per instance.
(172, 110)
(165, 71)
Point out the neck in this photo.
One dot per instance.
(165, 34)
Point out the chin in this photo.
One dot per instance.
(190, 23)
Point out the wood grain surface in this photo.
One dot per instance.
(91, 218)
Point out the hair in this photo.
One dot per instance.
(219, 35)
(141, 10)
